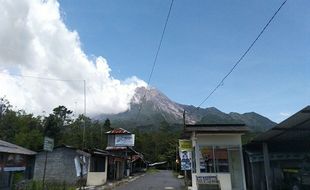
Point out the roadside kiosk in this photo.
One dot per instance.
(217, 161)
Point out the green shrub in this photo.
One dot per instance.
(37, 185)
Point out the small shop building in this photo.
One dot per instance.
(98, 167)
(65, 164)
(124, 160)
(280, 157)
(217, 160)
(14, 159)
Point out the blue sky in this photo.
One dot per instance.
(203, 40)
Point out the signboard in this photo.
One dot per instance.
(207, 180)
(48, 144)
(14, 162)
(186, 160)
(125, 140)
(185, 145)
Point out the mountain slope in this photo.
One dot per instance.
(256, 121)
(157, 107)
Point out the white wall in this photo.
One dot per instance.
(224, 179)
(213, 140)
(218, 139)
(98, 178)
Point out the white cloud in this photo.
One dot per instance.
(35, 41)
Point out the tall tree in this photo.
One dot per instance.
(107, 125)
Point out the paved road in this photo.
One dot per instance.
(161, 180)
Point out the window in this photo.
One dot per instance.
(221, 159)
(206, 159)
(214, 159)
(97, 164)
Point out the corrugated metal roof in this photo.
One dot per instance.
(97, 151)
(14, 149)
(118, 131)
(296, 127)
(116, 148)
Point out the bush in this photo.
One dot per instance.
(37, 185)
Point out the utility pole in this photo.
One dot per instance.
(84, 82)
(44, 171)
(185, 171)
(184, 121)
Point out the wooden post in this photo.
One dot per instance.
(267, 166)
(184, 121)
(185, 171)
(11, 179)
(176, 158)
(43, 181)
(185, 178)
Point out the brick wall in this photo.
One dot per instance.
(60, 166)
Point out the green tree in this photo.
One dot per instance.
(107, 125)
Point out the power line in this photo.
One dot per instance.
(58, 79)
(243, 55)
(160, 42)
(156, 56)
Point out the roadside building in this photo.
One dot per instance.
(138, 163)
(216, 156)
(14, 159)
(280, 157)
(98, 167)
(64, 164)
(124, 158)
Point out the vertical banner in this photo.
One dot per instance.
(186, 160)
(185, 151)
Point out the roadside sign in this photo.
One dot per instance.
(48, 144)
(185, 145)
(124, 140)
(186, 160)
(207, 180)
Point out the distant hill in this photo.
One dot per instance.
(157, 107)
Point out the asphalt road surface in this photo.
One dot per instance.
(161, 180)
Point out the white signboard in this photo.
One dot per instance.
(13, 169)
(207, 180)
(48, 144)
(125, 140)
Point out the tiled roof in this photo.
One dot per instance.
(118, 131)
(13, 148)
(137, 157)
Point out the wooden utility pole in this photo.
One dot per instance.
(185, 171)
(84, 82)
(184, 122)
(44, 171)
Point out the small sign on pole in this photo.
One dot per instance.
(185, 145)
(48, 144)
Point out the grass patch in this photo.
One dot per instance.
(37, 185)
